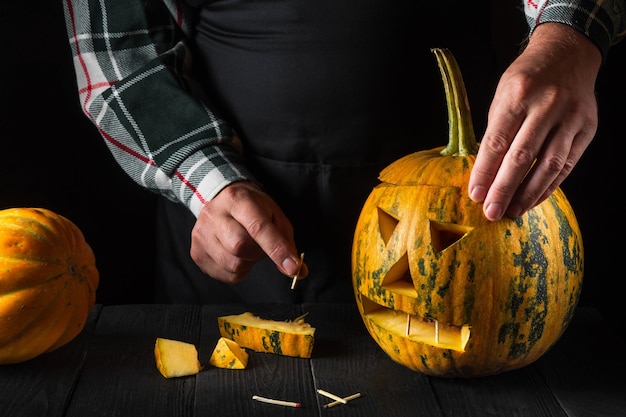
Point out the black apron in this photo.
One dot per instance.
(324, 94)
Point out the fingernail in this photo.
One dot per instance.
(290, 265)
(478, 193)
(493, 211)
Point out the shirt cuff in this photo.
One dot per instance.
(202, 176)
(584, 16)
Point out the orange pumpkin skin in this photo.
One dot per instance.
(515, 282)
(48, 282)
(446, 292)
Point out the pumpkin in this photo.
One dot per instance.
(288, 338)
(48, 281)
(229, 355)
(442, 290)
(175, 358)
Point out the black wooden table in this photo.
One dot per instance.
(109, 370)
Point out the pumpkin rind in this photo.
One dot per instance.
(289, 338)
(424, 252)
(228, 355)
(48, 282)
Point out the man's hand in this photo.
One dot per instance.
(239, 227)
(542, 118)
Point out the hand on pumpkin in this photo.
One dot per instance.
(542, 118)
(239, 227)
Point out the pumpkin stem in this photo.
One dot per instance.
(462, 140)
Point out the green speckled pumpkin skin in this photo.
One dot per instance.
(515, 282)
(267, 340)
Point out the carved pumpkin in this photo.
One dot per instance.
(446, 292)
(48, 282)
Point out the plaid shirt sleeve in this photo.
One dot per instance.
(132, 70)
(602, 21)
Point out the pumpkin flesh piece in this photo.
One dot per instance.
(229, 355)
(288, 338)
(175, 358)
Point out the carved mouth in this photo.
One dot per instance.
(419, 329)
(398, 290)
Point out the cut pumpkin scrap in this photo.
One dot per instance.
(229, 355)
(176, 358)
(288, 338)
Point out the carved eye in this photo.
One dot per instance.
(444, 235)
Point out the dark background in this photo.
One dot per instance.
(52, 157)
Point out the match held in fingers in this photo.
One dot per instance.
(295, 277)
(276, 402)
(346, 399)
(332, 396)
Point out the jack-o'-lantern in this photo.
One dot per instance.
(443, 290)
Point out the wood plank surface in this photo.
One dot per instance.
(43, 386)
(586, 368)
(346, 360)
(519, 393)
(559, 384)
(228, 392)
(109, 370)
(119, 376)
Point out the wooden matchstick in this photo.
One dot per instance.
(276, 402)
(295, 277)
(332, 396)
(408, 324)
(348, 398)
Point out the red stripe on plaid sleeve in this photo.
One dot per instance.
(147, 161)
(179, 14)
(193, 189)
(545, 5)
(535, 5)
(125, 148)
(92, 87)
(89, 88)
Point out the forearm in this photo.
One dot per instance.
(603, 22)
(132, 70)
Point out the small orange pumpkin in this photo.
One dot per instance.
(443, 290)
(48, 282)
